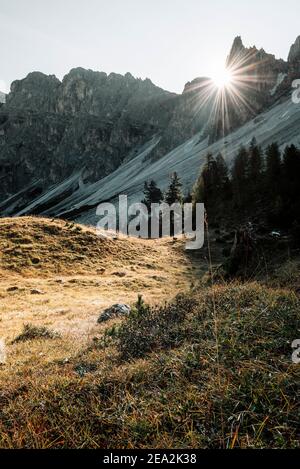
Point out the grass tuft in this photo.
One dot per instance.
(31, 332)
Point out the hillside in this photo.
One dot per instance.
(73, 200)
(71, 136)
(211, 368)
(63, 275)
(90, 122)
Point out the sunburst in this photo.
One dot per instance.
(228, 95)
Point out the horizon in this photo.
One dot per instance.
(170, 49)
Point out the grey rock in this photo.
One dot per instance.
(83, 369)
(114, 311)
(294, 55)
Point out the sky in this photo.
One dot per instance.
(169, 41)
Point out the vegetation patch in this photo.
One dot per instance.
(211, 369)
(31, 332)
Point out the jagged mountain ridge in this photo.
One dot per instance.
(89, 122)
(75, 201)
(79, 131)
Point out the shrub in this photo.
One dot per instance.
(154, 328)
(31, 332)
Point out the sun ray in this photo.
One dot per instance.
(230, 96)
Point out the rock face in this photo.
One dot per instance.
(294, 55)
(113, 312)
(37, 92)
(91, 123)
(255, 67)
(257, 76)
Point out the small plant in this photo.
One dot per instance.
(140, 308)
(31, 332)
(148, 328)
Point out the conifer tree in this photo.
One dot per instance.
(273, 170)
(152, 193)
(174, 193)
(240, 177)
(255, 163)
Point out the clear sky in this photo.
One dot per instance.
(169, 41)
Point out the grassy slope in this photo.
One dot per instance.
(79, 274)
(155, 381)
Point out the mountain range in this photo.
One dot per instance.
(66, 146)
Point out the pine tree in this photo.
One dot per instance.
(291, 187)
(255, 163)
(222, 170)
(198, 192)
(273, 170)
(223, 181)
(240, 177)
(213, 185)
(209, 181)
(152, 193)
(174, 193)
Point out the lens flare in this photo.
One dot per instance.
(228, 94)
(222, 78)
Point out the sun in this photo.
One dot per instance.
(222, 78)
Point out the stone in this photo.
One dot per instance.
(37, 292)
(120, 274)
(115, 311)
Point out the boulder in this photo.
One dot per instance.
(114, 311)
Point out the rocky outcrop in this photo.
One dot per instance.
(89, 122)
(294, 55)
(255, 67)
(115, 311)
(37, 92)
(259, 79)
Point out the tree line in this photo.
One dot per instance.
(154, 195)
(259, 186)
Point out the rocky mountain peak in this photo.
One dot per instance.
(236, 49)
(237, 44)
(294, 55)
(197, 84)
(36, 92)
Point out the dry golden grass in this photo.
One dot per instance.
(60, 275)
(92, 387)
(169, 397)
